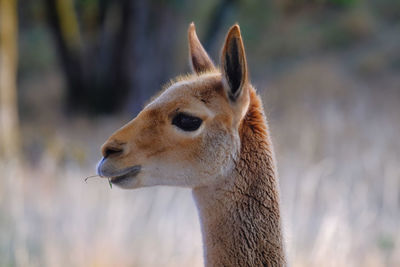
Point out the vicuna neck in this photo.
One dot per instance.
(240, 219)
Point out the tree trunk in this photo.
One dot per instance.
(94, 61)
(9, 126)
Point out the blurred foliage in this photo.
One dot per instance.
(388, 10)
(115, 54)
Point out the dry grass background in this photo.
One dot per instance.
(338, 156)
(338, 151)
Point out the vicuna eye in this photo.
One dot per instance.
(186, 122)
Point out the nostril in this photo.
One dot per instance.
(112, 151)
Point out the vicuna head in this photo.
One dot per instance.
(189, 134)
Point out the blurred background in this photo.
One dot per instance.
(73, 71)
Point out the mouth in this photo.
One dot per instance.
(125, 175)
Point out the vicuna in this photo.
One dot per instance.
(207, 131)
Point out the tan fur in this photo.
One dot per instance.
(240, 218)
(228, 161)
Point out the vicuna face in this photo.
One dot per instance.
(187, 136)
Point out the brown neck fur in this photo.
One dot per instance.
(240, 219)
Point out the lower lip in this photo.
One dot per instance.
(123, 178)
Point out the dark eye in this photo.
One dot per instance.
(186, 122)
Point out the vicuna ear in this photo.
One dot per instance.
(198, 57)
(233, 63)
